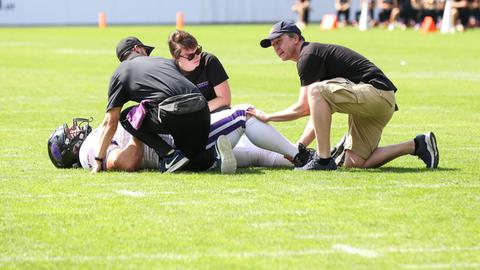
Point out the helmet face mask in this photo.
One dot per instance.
(64, 143)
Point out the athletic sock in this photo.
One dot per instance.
(324, 161)
(415, 140)
(265, 136)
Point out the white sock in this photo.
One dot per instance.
(265, 136)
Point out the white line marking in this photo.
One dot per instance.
(248, 254)
(284, 224)
(234, 202)
(429, 250)
(464, 76)
(453, 265)
(383, 187)
(82, 52)
(131, 193)
(356, 251)
(346, 236)
(168, 256)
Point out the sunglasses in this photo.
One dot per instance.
(192, 55)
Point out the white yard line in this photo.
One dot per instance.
(346, 236)
(367, 253)
(168, 256)
(276, 224)
(234, 202)
(453, 265)
(429, 249)
(131, 193)
(383, 187)
(82, 51)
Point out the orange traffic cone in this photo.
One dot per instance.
(329, 22)
(102, 20)
(180, 22)
(428, 25)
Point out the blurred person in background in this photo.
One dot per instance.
(371, 13)
(343, 11)
(461, 14)
(302, 8)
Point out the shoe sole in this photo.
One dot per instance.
(433, 150)
(228, 164)
(182, 162)
(338, 152)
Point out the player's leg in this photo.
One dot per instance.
(267, 137)
(127, 158)
(230, 122)
(264, 136)
(248, 154)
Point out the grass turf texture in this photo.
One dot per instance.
(401, 216)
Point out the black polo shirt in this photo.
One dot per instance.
(207, 75)
(318, 62)
(146, 78)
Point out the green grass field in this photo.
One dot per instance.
(401, 216)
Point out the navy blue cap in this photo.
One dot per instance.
(278, 29)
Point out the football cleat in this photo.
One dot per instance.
(173, 162)
(314, 164)
(427, 149)
(225, 159)
(303, 156)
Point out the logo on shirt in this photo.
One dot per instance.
(202, 85)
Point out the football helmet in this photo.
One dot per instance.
(64, 143)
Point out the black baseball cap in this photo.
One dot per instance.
(278, 29)
(128, 43)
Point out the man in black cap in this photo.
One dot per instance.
(149, 81)
(337, 79)
(132, 44)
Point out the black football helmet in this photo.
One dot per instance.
(64, 143)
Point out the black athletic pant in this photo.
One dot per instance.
(189, 131)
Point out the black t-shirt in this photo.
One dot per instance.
(146, 78)
(319, 62)
(207, 75)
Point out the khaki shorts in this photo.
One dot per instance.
(369, 110)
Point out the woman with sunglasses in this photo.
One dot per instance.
(207, 73)
(201, 68)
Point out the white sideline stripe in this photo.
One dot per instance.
(251, 254)
(207, 203)
(356, 251)
(283, 224)
(22, 44)
(169, 256)
(343, 236)
(452, 265)
(37, 196)
(131, 193)
(469, 76)
(105, 195)
(430, 250)
(82, 51)
(387, 187)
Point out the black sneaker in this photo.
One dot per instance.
(225, 159)
(314, 164)
(173, 162)
(427, 149)
(338, 151)
(303, 156)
